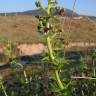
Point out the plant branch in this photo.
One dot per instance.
(90, 78)
(25, 76)
(3, 88)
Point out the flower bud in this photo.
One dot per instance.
(37, 3)
(61, 11)
(37, 16)
(46, 29)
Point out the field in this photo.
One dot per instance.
(24, 29)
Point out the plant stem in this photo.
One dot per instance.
(94, 69)
(87, 78)
(52, 59)
(94, 74)
(25, 76)
(50, 51)
(58, 80)
(3, 88)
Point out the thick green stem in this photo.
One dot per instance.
(60, 84)
(3, 88)
(50, 49)
(58, 80)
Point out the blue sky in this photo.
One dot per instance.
(86, 7)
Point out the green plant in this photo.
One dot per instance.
(94, 68)
(15, 64)
(2, 86)
(52, 35)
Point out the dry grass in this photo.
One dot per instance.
(24, 29)
(80, 31)
(19, 28)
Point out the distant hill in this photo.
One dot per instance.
(68, 12)
(92, 17)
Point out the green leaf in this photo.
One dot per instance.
(55, 87)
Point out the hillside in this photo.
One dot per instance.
(23, 28)
(68, 12)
